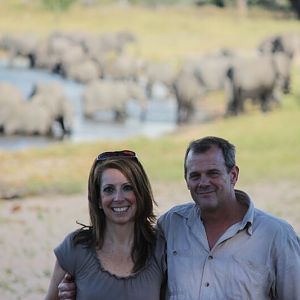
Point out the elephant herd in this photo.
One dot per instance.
(111, 78)
(46, 112)
(261, 75)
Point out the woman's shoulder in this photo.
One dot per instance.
(159, 252)
(76, 240)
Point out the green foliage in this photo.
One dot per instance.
(58, 5)
(270, 4)
(273, 4)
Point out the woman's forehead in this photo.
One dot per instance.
(112, 175)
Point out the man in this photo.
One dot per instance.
(220, 246)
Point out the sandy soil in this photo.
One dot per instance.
(31, 228)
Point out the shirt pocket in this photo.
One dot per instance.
(181, 277)
(247, 279)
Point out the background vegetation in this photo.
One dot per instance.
(268, 144)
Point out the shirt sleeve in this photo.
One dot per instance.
(66, 255)
(160, 251)
(288, 265)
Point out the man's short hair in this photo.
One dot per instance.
(204, 144)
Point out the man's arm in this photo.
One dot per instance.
(57, 276)
(288, 268)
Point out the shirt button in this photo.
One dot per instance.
(206, 284)
(210, 257)
(174, 252)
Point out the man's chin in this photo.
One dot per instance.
(207, 205)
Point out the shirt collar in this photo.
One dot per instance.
(247, 221)
(192, 212)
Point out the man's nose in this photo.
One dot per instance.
(203, 181)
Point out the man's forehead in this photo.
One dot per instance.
(213, 153)
(208, 159)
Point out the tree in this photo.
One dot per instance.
(296, 7)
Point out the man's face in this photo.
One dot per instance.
(210, 185)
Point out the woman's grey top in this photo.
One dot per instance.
(94, 282)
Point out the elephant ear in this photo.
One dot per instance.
(277, 45)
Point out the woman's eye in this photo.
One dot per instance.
(128, 188)
(108, 190)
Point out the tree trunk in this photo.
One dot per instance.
(296, 7)
(242, 6)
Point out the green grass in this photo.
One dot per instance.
(164, 33)
(268, 149)
(268, 145)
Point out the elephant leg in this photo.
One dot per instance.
(61, 122)
(65, 130)
(265, 102)
(148, 90)
(189, 112)
(233, 101)
(239, 101)
(181, 113)
(32, 60)
(232, 107)
(120, 115)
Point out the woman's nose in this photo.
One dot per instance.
(119, 195)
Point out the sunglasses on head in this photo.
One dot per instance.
(114, 154)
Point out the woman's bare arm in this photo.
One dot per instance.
(57, 276)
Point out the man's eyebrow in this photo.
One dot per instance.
(213, 170)
(194, 173)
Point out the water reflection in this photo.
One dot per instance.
(160, 115)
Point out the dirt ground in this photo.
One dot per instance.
(31, 228)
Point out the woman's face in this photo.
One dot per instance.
(118, 198)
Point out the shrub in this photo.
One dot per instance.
(58, 5)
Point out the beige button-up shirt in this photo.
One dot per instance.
(257, 259)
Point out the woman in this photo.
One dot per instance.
(119, 256)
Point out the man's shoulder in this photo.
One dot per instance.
(272, 222)
(182, 210)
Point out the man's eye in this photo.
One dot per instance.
(194, 176)
(213, 173)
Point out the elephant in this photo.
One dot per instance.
(10, 99)
(112, 96)
(18, 116)
(288, 42)
(43, 59)
(52, 97)
(83, 72)
(70, 56)
(159, 74)
(20, 46)
(210, 69)
(30, 118)
(57, 53)
(124, 67)
(108, 42)
(261, 78)
(188, 92)
(116, 41)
